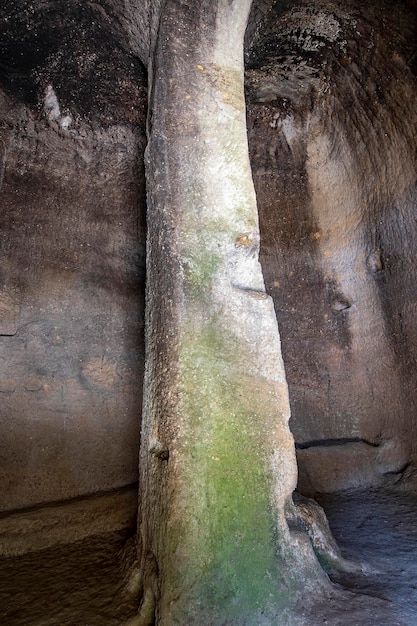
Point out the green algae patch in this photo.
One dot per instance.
(224, 542)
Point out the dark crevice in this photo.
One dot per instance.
(341, 304)
(325, 443)
(133, 487)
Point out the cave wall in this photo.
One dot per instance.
(72, 118)
(331, 93)
(331, 121)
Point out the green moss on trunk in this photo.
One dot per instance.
(223, 541)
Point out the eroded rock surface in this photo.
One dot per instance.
(378, 526)
(331, 88)
(72, 107)
(331, 118)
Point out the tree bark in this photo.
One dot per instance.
(217, 462)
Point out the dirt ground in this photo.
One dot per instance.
(378, 528)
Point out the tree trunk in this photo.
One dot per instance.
(217, 462)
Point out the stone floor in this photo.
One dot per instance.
(78, 584)
(379, 529)
(81, 584)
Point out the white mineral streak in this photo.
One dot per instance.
(52, 110)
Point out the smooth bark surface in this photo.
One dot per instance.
(217, 459)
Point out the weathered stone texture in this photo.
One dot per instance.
(72, 256)
(331, 119)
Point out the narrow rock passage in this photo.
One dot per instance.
(378, 527)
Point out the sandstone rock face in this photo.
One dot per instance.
(332, 138)
(331, 89)
(72, 254)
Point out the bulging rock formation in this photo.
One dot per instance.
(217, 462)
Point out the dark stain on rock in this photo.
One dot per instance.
(74, 47)
(290, 254)
(340, 72)
(334, 442)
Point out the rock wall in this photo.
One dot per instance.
(330, 93)
(72, 111)
(331, 120)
